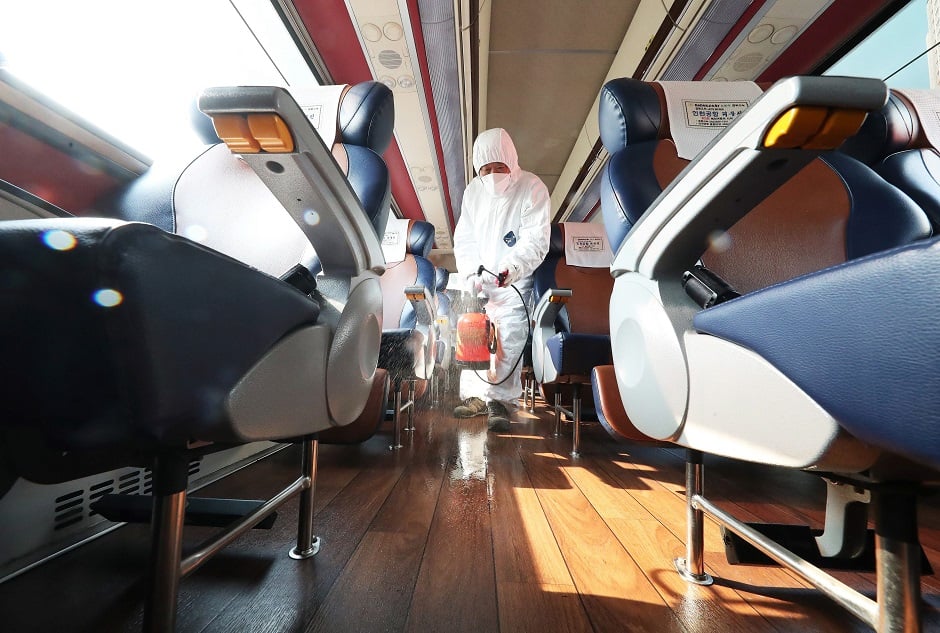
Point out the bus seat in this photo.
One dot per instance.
(162, 347)
(767, 206)
(643, 160)
(408, 335)
(241, 217)
(570, 335)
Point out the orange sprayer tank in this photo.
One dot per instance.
(474, 340)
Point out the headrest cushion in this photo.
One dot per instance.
(629, 112)
(420, 238)
(889, 130)
(367, 116)
(441, 277)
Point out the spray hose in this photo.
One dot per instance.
(528, 322)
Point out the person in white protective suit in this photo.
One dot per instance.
(503, 226)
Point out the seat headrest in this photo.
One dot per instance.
(691, 113)
(441, 277)
(420, 238)
(892, 129)
(630, 111)
(367, 116)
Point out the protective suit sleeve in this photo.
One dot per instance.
(466, 252)
(534, 232)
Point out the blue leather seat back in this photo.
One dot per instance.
(586, 313)
(441, 277)
(582, 325)
(367, 116)
(630, 117)
(366, 123)
(415, 270)
(544, 276)
(848, 212)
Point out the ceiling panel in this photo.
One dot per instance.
(541, 99)
(579, 24)
(546, 64)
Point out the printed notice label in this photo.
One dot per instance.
(592, 244)
(712, 113)
(314, 113)
(390, 238)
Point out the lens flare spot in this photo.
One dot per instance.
(59, 240)
(719, 241)
(196, 233)
(108, 298)
(311, 217)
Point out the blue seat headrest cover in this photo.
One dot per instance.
(367, 116)
(441, 277)
(420, 238)
(883, 133)
(629, 112)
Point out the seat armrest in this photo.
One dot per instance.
(266, 127)
(544, 316)
(420, 299)
(550, 303)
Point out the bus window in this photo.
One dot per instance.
(886, 53)
(133, 69)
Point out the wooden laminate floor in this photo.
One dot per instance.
(465, 531)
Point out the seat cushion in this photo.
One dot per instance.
(577, 354)
(862, 339)
(120, 332)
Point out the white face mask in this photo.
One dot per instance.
(496, 184)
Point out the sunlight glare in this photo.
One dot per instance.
(59, 240)
(108, 298)
(131, 68)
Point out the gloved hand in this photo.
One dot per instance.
(509, 273)
(473, 283)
